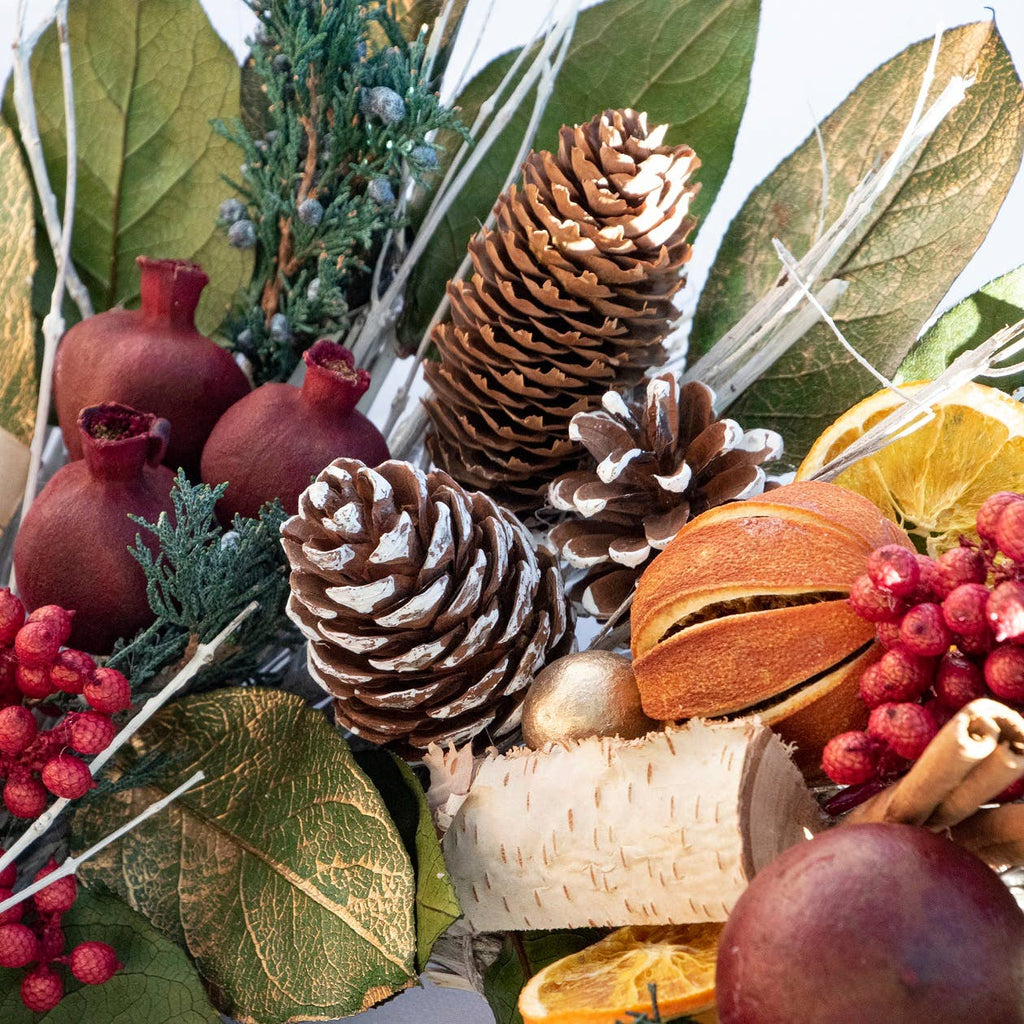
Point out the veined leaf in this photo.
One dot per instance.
(437, 906)
(18, 384)
(148, 79)
(686, 62)
(505, 977)
(156, 985)
(281, 873)
(914, 243)
(992, 307)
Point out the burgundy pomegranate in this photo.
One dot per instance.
(72, 549)
(150, 358)
(270, 444)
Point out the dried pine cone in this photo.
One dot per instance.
(571, 294)
(658, 464)
(427, 608)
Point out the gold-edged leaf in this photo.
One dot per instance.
(281, 873)
(18, 384)
(915, 242)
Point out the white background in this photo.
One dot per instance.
(810, 55)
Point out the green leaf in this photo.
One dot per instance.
(156, 985)
(686, 62)
(505, 978)
(437, 906)
(994, 306)
(911, 248)
(148, 79)
(281, 873)
(411, 15)
(18, 383)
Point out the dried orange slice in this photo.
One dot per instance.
(933, 480)
(606, 982)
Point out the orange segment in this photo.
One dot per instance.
(933, 480)
(609, 980)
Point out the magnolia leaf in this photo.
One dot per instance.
(281, 873)
(994, 306)
(909, 251)
(437, 906)
(686, 62)
(412, 15)
(18, 385)
(148, 77)
(505, 978)
(156, 985)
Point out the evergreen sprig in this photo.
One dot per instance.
(199, 577)
(345, 126)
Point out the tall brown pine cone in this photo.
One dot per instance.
(571, 294)
(658, 464)
(428, 609)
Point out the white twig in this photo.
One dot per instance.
(203, 656)
(384, 308)
(915, 411)
(53, 323)
(760, 330)
(434, 41)
(28, 125)
(72, 864)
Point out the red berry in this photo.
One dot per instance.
(107, 690)
(1004, 672)
(71, 669)
(18, 945)
(873, 604)
(888, 634)
(41, 989)
(59, 896)
(67, 776)
(923, 631)
(18, 729)
(899, 676)
(850, 758)
(965, 609)
(36, 644)
(928, 585)
(90, 732)
(977, 646)
(11, 914)
(9, 875)
(57, 618)
(94, 962)
(12, 616)
(9, 692)
(905, 728)
(24, 795)
(894, 569)
(51, 942)
(1010, 531)
(941, 713)
(991, 509)
(34, 681)
(956, 567)
(1005, 611)
(958, 681)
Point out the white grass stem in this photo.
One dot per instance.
(72, 864)
(203, 656)
(53, 322)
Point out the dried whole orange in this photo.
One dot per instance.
(745, 611)
(609, 981)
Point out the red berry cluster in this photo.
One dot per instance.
(37, 942)
(952, 629)
(34, 665)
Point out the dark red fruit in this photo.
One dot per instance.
(41, 989)
(73, 547)
(34, 682)
(24, 795)
(850, 758)
(872, 603)
(59, 896)
(151, 358)
(1010, 531)
(917, 931)
(18, 729)
(90, 732)
(71, 670)
(991, 509)
(93, 963)
(12, 616)
(956, 567)
(18, 945)
(109, 691)
(1005, 611)
(57, 618)
(905, 728)
(958, 681)
(1004, 673)
(36, 644)
(894, 569)
(9, 875)
(924, 632)
(965, 609)
(271, 443)
(67, 776)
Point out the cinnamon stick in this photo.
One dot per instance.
(975, 756)
(996, 836)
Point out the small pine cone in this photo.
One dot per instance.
(427, 609)
(571, 294)
(657, 464)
